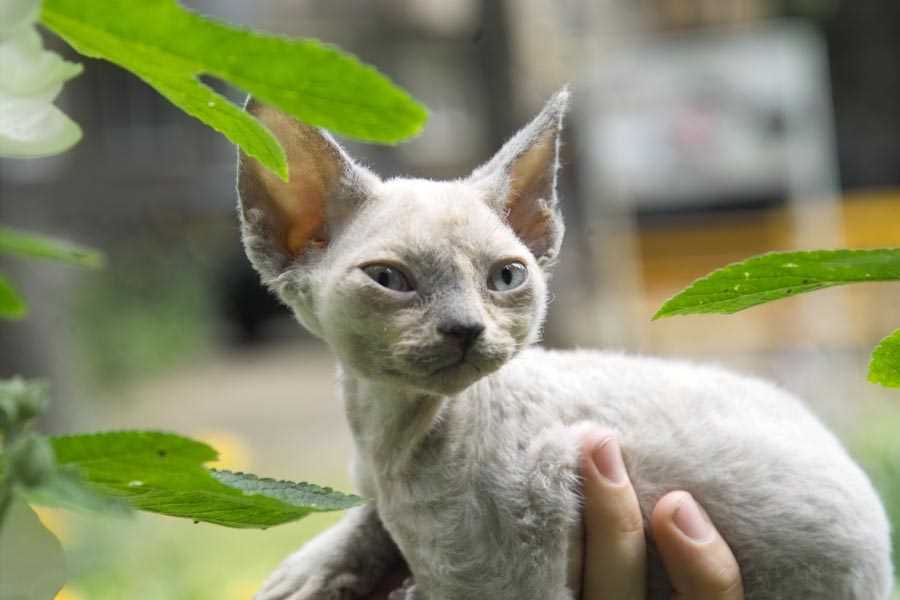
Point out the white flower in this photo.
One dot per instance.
(30, 125)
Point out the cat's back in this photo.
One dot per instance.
(643, 394)
(778, 485)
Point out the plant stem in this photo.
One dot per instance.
(6, 484)
(6, 495)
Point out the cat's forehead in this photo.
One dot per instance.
(439, 214)
(451, 201)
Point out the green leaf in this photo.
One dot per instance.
(169, 47)
(38, 246)
(779, 275)
(298, 494)
(884, 368)
(32, 565)
(164, 473)
(65, 488)
(27, 459)
(12, 305)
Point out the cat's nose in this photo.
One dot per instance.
(464, 333)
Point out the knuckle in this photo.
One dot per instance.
(630, 521)
(615, 514)
(726, 581)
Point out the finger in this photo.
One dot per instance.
(615, 553)
(699, 562)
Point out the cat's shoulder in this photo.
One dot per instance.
(635, 371)
(641, 393)
(537, 357)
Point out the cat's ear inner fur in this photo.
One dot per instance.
(291, 223)
(521, 181)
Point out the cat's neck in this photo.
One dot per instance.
(389, 423)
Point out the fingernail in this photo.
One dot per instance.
(608, 460)
(692, 521)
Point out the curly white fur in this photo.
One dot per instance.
(470, 460)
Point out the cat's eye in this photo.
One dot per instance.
(507, 276)
(389, 277)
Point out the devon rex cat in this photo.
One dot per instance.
(432, 294)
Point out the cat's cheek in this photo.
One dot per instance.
(379, 345)
(354, 323)
(518, 317)
(297, 290)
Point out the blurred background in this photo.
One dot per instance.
(701, 132)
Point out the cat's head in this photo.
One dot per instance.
(417, 283)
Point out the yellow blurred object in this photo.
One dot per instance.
(57, 521)
(69, 593)
(242, 590)
(872, 219)
(675, 255)
(234, 454)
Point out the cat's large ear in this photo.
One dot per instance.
(521, 181)
(290, 224)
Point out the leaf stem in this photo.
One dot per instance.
(10, 433)
(6, 494)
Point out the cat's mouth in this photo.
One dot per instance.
(464, 369)
(456, 363)
(449, 371)
(455, 376)
(471, 356)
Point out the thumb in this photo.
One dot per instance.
(699, 562)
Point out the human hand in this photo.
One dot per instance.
(699, 563)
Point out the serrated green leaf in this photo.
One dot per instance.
(169, 47)
(98, 448)
(884, 367)
(298, 494)
(12, 305)
(39, 246)
(65, 488)
(778, 275)
(164, 473)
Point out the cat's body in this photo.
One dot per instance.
(499, 466)
(431, 293)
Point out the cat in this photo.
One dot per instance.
(432, 294)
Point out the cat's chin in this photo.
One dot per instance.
(456, 377)
(445, 381)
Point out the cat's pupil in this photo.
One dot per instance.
(388, 277)
(507, 276)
